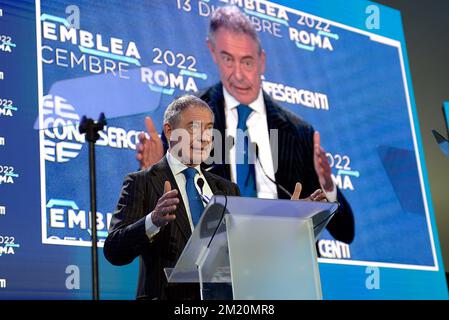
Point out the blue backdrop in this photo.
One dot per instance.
(130, 59)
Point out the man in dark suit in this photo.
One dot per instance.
(159, 206)
(295, 157)
(239, 103)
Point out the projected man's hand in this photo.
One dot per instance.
(318, 195)
(149, 151)
(322, 167)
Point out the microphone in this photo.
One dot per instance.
(200, 183)
(222, 192)
(268, 177)
(221, 189)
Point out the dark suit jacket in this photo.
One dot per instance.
(127, 239)
(295, 156)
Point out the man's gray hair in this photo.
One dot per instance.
(234, 20)
(174, 109)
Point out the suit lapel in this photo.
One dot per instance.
(217, 105)
(213, 183)
(276, 120)
(162, 173)
(215, 99)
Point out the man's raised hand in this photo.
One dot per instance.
(166, 205)
(322, 167)
(149, 151)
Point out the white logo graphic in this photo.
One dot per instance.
(63, 141)
(73, 279)
(373, 280)
(7, 107)
(6, 44)
(334, 249)
(67, 224)
(373, 20)
(8, 245)
(7, 174)
(61, 126)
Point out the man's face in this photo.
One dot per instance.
(239, 64)
(191, 136)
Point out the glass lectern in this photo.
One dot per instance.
(249, 248)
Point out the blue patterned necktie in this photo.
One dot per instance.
(246, 174)
(195, 203)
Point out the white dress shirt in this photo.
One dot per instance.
(258, 133)
(176, 168)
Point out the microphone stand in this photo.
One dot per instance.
(91, 129)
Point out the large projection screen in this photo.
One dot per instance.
(327, 61)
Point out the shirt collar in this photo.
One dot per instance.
(231, 102)
(177, 166)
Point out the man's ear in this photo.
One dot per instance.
(211, 49)
(167, 132)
